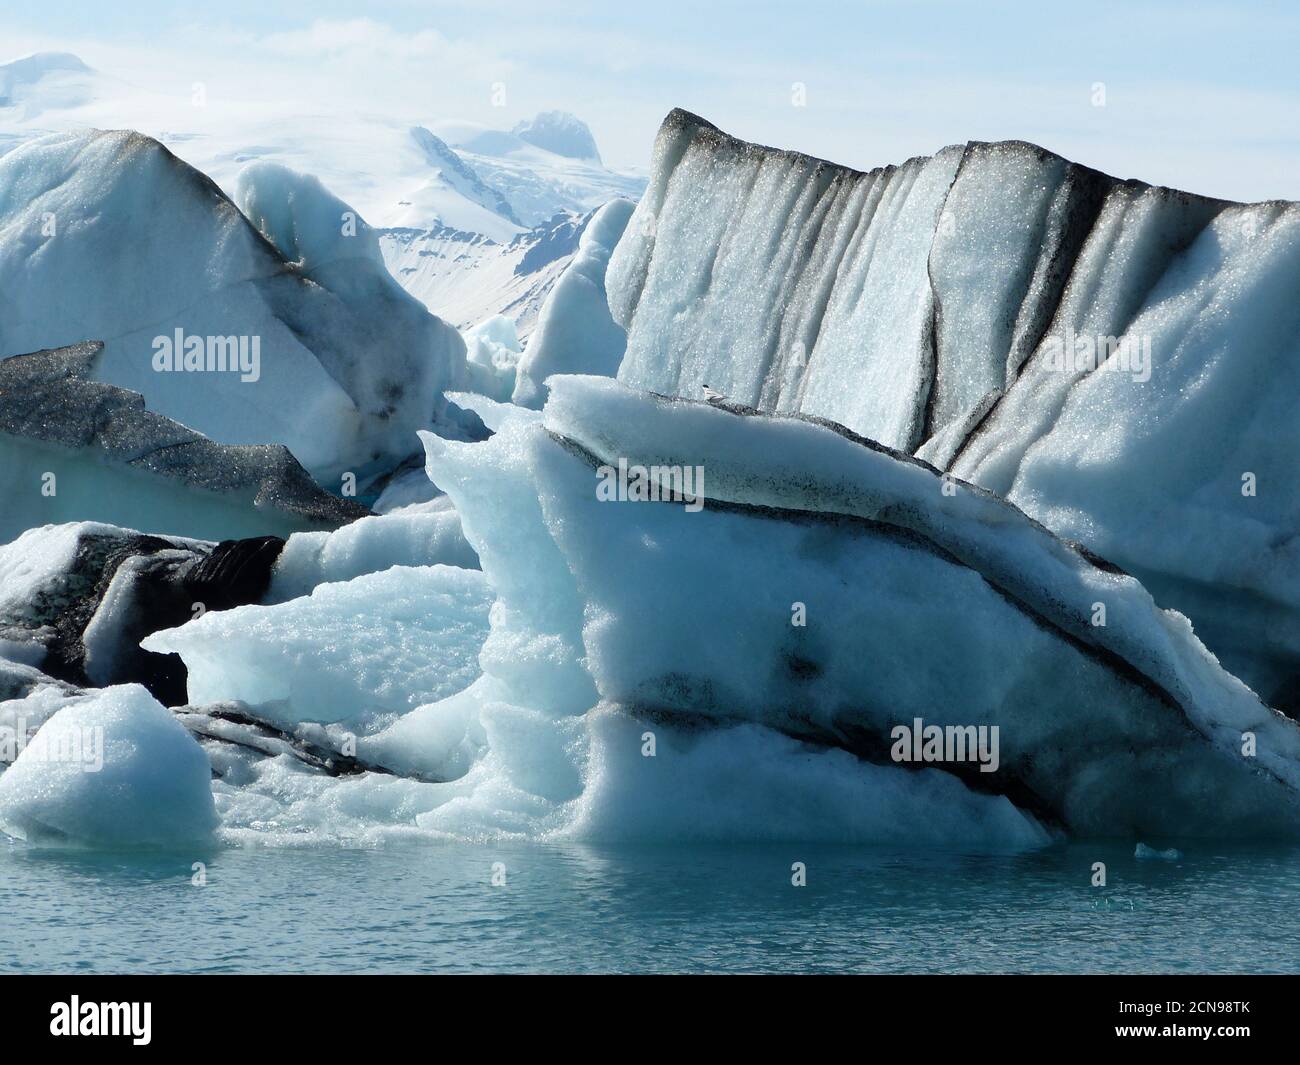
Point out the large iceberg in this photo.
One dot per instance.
(644, 675)
(923, 601)
(1119, 360)
(635, 669)
(294, 335)
(851, 483)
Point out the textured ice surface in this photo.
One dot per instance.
(492, 351)
(381, 643)
(619, 624)
(141, 245)
(1187, 480)
(78, 599)
(52, 579)
(114, 769)
(953, 608)
(420, 538)
(575, 333)
(944, 603)
(28, 698)
(926, 306)
(73, 449)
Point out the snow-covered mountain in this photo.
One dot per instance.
(46, 80)
(561, 133)
(470, 277)
(395, 171)
(542, 176)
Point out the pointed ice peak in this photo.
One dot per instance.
(561, 133)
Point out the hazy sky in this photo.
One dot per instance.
(1202, 96)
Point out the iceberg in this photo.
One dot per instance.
(575, 333)
(1117, 359)
(307, 342)
(949, 606)
(807, 512)
(635, 670)
(381, 643)
(75, 449)
(112, 770)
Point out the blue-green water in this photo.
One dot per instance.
(695, 909)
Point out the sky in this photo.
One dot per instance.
(1201, 96)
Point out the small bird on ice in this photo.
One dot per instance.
(714, 396)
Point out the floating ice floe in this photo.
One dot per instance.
(114, 769)
(1142, 851)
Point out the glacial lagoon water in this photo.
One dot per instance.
(435, 908)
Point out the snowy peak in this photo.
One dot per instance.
(60, 75)
(32, 68)
(561, 133)
(407, 171)
(459, 176)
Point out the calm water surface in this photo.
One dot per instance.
(434, 908)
